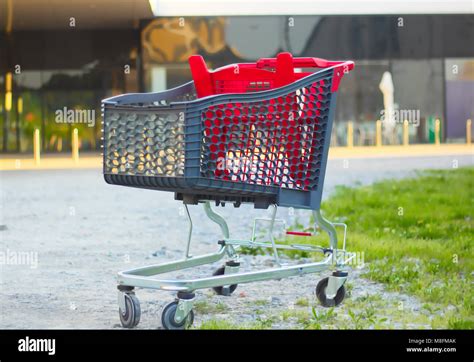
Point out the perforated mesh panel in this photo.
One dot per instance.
(277, 142)
(138, 143)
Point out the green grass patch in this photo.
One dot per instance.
(299, 315)
(418, 236)
(219, 324)
(302, 302)
(260, 302)
(205, 307)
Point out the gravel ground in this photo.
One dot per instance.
(83, 231)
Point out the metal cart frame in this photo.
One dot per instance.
(145, 277)
(172, 140)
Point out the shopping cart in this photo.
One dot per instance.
(245, 133)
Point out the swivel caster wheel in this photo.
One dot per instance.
(168, 320)
(130, 317)
(321, 294)
(221, 290)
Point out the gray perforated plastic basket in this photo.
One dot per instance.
(261, 147)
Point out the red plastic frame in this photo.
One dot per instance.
(265, 74)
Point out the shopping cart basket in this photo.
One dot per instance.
(245, 133)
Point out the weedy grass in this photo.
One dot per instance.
(302, 302)
(205, 307)
(218, 324)
(417, 234)
(299, 315)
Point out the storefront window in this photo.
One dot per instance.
(459, 74)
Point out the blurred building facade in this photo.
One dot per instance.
(73, 54)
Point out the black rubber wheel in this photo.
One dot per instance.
(220, 290)
(130, 317)
(167, 317)
(321, 294)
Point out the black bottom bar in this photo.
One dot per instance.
(241, 345)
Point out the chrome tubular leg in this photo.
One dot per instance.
(187, 256)
(231, 266)
(218, 219)
(270, 234)
(339, 277)
(328, 227)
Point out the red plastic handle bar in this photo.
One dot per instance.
(299, 233)
(284, 65)
(305, 63)
(283, 74)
